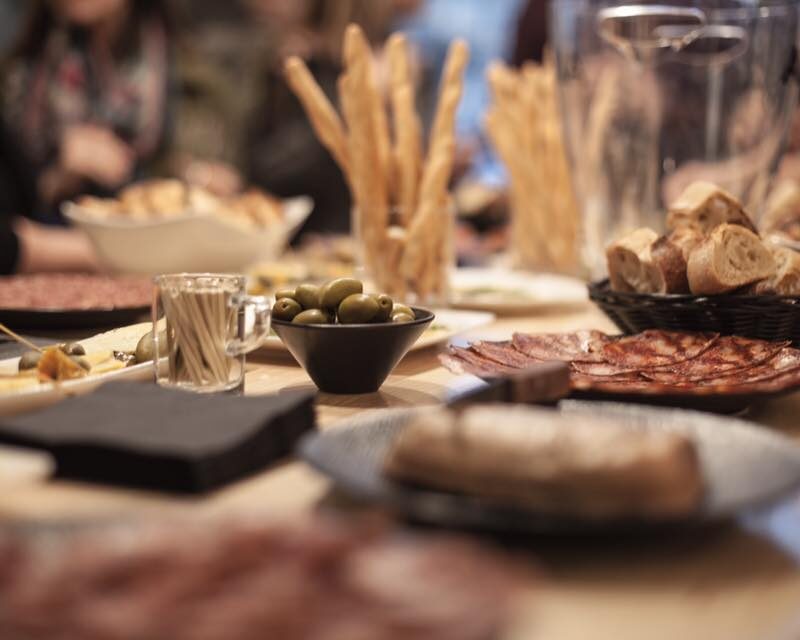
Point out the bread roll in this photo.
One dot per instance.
(731, 257)
(642, 262)
(785, 281)
(704, 206)
(542, 459)
(687, 239)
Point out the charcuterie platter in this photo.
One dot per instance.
(699, 370)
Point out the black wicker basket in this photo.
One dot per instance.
(764, 317)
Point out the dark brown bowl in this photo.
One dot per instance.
(351, 358)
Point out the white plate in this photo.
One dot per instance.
(123, 339)
(186, 243)
(448, 323)
(503, 291)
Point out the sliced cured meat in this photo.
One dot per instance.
(656, 348)
(503, 353)
(579, 346)
(466, 361)
(74, 291)
(728, 354)
(604, 369)
(786, 361)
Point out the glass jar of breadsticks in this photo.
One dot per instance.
(524, 125)
(402, 214)
(203, 325)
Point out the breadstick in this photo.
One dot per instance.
(321, 113)
(407, 128)
(358, 57)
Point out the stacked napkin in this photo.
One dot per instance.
(146, 436)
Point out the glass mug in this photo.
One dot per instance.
(203, 325)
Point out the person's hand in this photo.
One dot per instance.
(44, 248)
(95, 153)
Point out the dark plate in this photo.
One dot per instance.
(40, 319)
(744, 467)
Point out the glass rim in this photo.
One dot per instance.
(783, 7)
(172, 277)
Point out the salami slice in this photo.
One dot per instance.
(786, 361)
(466, 361)
(579, 346)
(503, 353)
(604, 370)
(729, 354)
(656, 348)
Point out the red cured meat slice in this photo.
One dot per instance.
(729, 354)
(785, 362)
(62, 291)
(655, 348)
(503, 353)
(579, 346)
(466, 361)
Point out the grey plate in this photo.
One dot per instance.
(745, 466)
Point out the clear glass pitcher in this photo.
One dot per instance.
(656, 95)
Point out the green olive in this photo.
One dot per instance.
(308, 296)
(286, 309)
(358, 309)
(145, 349)
(335, 291)
(385, 307)
(402, 318)
(312, 316)
(285, 293)
(401, 308)
(83, 363)
(73, 349)
(29, 360)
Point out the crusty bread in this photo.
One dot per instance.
(687, 239)
(729, 258)
(644, 263)
(542, 459)
(785, 281)
(703, 206)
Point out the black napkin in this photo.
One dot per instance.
(146, 436)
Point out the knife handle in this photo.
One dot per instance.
(543, 383)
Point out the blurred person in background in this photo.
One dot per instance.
(282, 152)
(85, 95)
(489, 28)
(96, 94)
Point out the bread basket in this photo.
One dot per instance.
(767, 317)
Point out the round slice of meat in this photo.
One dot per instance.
(462, 361)
(656, 348)
(503, 353)
(578, 346)
(785, 363)
(729, 354)
(603, 370)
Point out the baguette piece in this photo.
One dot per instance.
(785, 281)
(542, 459)
(642, 262)
(687, 240)
(704, 206)
(731, 257)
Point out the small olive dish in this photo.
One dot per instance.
(351, 358)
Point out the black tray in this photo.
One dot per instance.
(46, 319)
(744, 467)
(763, 317)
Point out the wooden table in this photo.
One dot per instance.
(740, 581)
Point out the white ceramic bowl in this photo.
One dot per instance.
(186, 243)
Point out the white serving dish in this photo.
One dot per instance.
(186, 243)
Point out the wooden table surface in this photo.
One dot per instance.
(738, 581)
